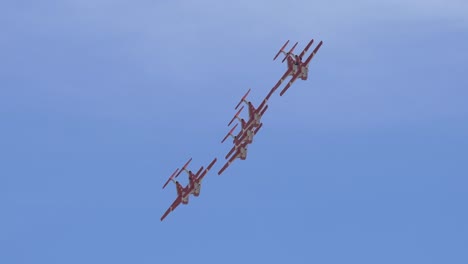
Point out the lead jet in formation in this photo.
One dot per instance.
(248, 130)
(193, 187)
(296, 67)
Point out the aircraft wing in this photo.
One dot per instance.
(198, 172)
(200, 178)
(231, 151)
(285, 75)
(258, 128)
(290, 82)
(306, 48)
(173, 206)
(261, 108)
(229, 162)
(313, 53)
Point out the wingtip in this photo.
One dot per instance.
(211, 164)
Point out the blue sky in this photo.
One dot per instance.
(365, 162)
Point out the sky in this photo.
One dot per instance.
(365, 162)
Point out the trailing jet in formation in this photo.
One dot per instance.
(193, 187)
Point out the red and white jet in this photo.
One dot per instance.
(241, 153)
(193, 187)
(255, 114)
(248, 130)
(296, 67)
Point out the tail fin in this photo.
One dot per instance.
(263, 111)
(258, 128)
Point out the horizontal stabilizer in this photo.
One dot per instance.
(243, 98)
(184, 167)
(281, 50)
(237, 114)
(228, 134)
(170, 178)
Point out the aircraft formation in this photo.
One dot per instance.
(297, 68)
